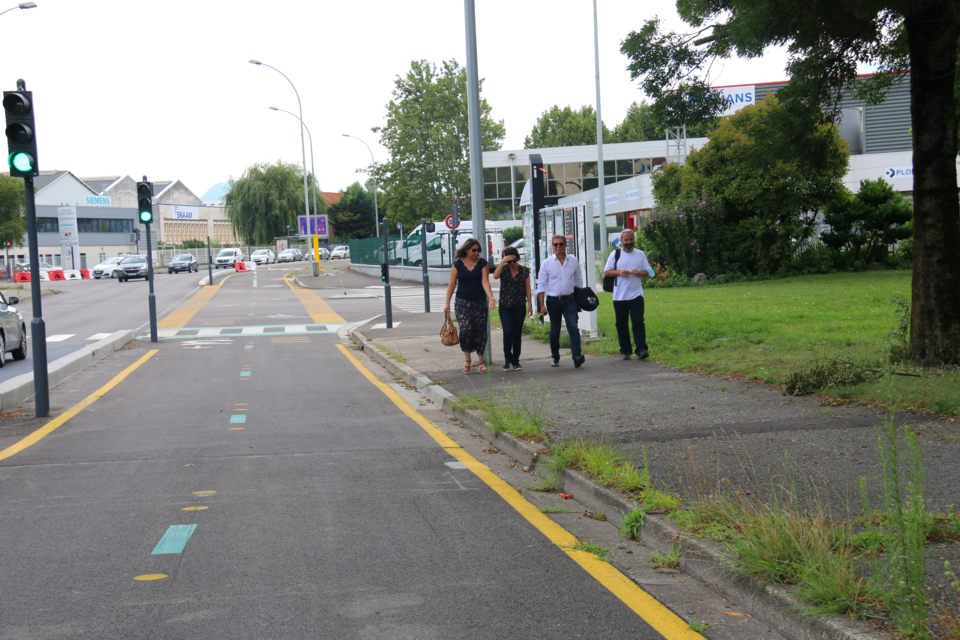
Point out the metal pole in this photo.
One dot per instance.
(373, 164)
(386, 283)
(38, 331)
(513, 188)
(423, 262)
(603, 198)
(209, 264)
(151, 299)
(476, 151)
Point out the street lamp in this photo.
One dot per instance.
(316, 212)
(376, 209)
(303, 145)
(22, 5)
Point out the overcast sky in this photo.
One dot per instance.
(165, 88)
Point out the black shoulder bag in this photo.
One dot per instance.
(609, 281)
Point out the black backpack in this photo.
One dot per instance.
(609, 281)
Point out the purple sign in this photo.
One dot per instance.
(318, 225)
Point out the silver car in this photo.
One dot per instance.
(13, 330)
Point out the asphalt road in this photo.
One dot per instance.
(277, 490)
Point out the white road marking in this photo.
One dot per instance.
(60, 338)
(208, 332)
(295, 328)
(249, 330)
(99, 336)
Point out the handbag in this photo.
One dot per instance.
(586, 299)
(448, 332)
(610, 281)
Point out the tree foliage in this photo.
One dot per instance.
(13, 226)
(867, 223)
(565, 127)
(266, 199)
(770, 171)
(642, 123)
(352, 215)
(427, 135)
(826, 42)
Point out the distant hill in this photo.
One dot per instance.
(216, 192)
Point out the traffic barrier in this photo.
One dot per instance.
(56, 275)
(239, 266)
(72, 274)
(44, 276)
(251, 266)
(85, 274)
(21, 277)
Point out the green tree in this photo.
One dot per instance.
(642, 123)
(868, 223)
(827, 41)
(770, 170)
(512, 234)
(13, 226)
(565, 127)
(266, 199)
(427, 135)
(352, 215)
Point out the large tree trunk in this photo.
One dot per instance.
(935, 315)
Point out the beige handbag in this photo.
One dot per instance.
(448, 333)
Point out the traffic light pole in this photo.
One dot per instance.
(151, 299)
(38, 331)
(424, 262)
(209, 264)
(386, 280)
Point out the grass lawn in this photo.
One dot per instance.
(769, 329)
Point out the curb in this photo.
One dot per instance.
(775, 606)
(16, 390)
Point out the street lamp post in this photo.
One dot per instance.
(22, 5)
(376, 209)
(303, 144)
(316, 212)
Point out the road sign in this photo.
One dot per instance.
(450, 224)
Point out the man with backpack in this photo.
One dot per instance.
(625, 270)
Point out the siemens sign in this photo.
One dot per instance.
(97, 201)
(898, 173)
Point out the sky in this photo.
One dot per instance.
(166, 90)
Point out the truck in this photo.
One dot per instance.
(441, 247)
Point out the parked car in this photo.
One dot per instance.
(25, 266)
(13, 338)
(323, 251)
(227, 258)
(518, 245)
(183, 262)
(340, 251)
(108, 268)
(263, 256)
(132, 267)
(290, 255)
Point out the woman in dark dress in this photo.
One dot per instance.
(470, 275)
(515, 301)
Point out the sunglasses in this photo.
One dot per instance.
(559, 244)
(475, 250)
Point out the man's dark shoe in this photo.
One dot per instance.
(579, 360)
(555, 362)
(517, 367)
(624, 356)
(643, 355)
(506, 366)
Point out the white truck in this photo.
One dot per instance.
(440, 244)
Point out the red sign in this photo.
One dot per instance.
(449, 222)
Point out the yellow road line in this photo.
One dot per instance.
(667, 623)
(184, 314)
(51, 426)
(319, 310)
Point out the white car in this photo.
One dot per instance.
(107, 269)
(227, 258)
(263, 256)
(340, 251)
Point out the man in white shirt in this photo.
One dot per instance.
(630, 269)
(559, 274)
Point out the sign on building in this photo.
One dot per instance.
(97, 201)
(185, 212)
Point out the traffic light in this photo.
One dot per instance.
(431, 227)
(21, 133)
(136, 235)
(145, 202)
(384, 271)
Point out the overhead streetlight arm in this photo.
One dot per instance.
(373, 163)
(22, 5)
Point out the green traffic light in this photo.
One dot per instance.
(146, 216)
(21, 161)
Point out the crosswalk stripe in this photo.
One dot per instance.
(60, 338)
(208, 332)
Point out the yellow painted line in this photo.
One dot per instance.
(236, 428)
(318, 309)
(151, 576)
(51, 426)
(667, 623)
(194, 508)
(203, 493)
(179, 318)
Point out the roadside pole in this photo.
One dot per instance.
(38, 330)
(385, 269)
(209, 264)
(423, 262)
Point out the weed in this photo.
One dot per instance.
(602, 462)
(557, 509)
(946, 617)
(698, 626)
(669, 561)
(546, 484)
(601, 552)
(601, 517)
(820, 376)
(656, 500)
(632, 524)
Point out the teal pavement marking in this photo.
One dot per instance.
(238, 419)
(244, 374)
(249, 346)
(175, 539)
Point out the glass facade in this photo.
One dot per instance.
(564, 178)
(88, 225)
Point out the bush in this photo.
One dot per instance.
(512, 234)
(689, 236)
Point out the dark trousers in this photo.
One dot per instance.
(512, 322)
(565, 308)
(629, 312)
